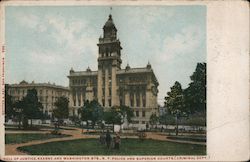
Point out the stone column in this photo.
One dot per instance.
(141, 103)
(113, 87)
(89, 93)
(82, 97)
(135, 100)
(106, 87)
(76, 98)
(148, 98)
(71, 103)
(127, 100)
(99, 86)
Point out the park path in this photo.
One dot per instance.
(162, 137)
(76, 133)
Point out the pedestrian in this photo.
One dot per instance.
(113, 143)
(103, 138)
(117, 142)
(108, 139)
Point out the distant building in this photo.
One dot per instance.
(110, 85)
(47, 93)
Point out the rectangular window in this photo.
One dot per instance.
(137, 113)
(109, 91)
(110, 102)
(143, 114)
(135, 122)
(103, 81)
(95, 93)
(121, 101)
(137, 100)
(103, 102)
(79, 102)
(103, 92)
(131, 99)
(144, 99)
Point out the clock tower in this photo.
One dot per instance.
(109, 61)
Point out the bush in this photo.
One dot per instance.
(56, 132)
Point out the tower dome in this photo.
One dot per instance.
(109, 23)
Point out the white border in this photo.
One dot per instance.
(227, 75)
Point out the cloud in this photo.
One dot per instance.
(43, 57)
(32, 22)
(149, 14)
(72, 38)
(184, 42)
(69, 34)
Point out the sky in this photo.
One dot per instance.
(44, 42)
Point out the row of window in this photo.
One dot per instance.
(24, 92)
(137, 122)
(83, 81)
(109, 102)
(80, 102)
(137, 79)
(137, 114)
(41, 98)
(78, 81)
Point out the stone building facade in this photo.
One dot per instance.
(111, 85)
(47, 93)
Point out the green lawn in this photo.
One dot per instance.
(128, 147)
(189, 138)
(25, 137)
(34, 128)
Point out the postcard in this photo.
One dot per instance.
(124, 81)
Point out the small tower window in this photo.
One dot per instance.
(106, 51)
(109, 91)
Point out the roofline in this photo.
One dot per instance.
(38, 85)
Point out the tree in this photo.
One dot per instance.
(195, 94)
(9, 105)
(175, 103)
(166, 119)
(18, 108)
(113, 116)
(118, 115)
(92, 111)
(28, 108)
(62, 108)
(153, 120)
(127, 113)
(32, 108)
